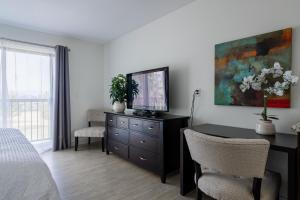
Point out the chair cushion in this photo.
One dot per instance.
(95, 131)
(223, 187)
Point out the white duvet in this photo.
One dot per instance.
(23, 174)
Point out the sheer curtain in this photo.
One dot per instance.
(26, 91)
(2, 89)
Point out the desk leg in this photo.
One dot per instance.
(298, 167)
(187, 170)
(292, 175)
(298, 174)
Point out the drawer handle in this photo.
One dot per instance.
(142, 141)
(116, 148)
(142, 158)
(135, 125)
(110, 120)
(122, 122)
(150, 128)
(116, 133)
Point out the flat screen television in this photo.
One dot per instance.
(152, 90)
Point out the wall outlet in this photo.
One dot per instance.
(197, 92)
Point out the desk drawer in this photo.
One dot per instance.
(118, 148)
(122, 122)
(151, 127)
(111, 120)
(144, 158)
(143, 141)
(136, 124)
(119, 135)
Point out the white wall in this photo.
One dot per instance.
(86, 69)
(185, 39)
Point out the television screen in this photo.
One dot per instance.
(149, 90)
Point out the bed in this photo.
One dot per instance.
(23, 174)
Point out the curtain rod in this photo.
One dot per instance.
(30, 43)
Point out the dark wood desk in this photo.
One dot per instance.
(281, 142)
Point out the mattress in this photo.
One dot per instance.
(23, 174)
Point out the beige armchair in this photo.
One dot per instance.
(96, 128)
(236, 168)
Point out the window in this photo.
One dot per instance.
(26, 89)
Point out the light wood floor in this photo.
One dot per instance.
(90, 174)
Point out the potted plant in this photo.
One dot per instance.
(118, 92)
(271, 81)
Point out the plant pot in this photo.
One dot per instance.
(265, 128)
(119, 107)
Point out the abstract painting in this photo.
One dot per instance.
(237, 59)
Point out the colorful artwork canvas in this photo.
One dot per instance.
(237, 59)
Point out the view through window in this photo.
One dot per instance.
(26, 92)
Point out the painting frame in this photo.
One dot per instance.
(239, 58)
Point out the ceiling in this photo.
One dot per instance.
(93, 20)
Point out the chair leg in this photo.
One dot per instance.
(76, 143)
(89, 140)
(102, 144)
(199, 194)
(198, 171)
(278, 196)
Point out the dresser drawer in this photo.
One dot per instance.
(119, 135)
(118, 148)
(143, 141)
(136, 124)
(111, 120)
(122, 122)
(151, 127)
(144, 158)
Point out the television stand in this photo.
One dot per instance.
(146, 113)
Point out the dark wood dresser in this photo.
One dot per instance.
(152, 143)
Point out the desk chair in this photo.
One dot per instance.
(236, 168)
(94, 117)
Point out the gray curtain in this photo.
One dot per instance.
(62, 113)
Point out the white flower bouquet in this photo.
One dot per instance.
(296, 127)
(272, 81)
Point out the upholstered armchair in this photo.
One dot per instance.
(96, 128)
(232, 169)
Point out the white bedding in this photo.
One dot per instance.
(23, 174)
